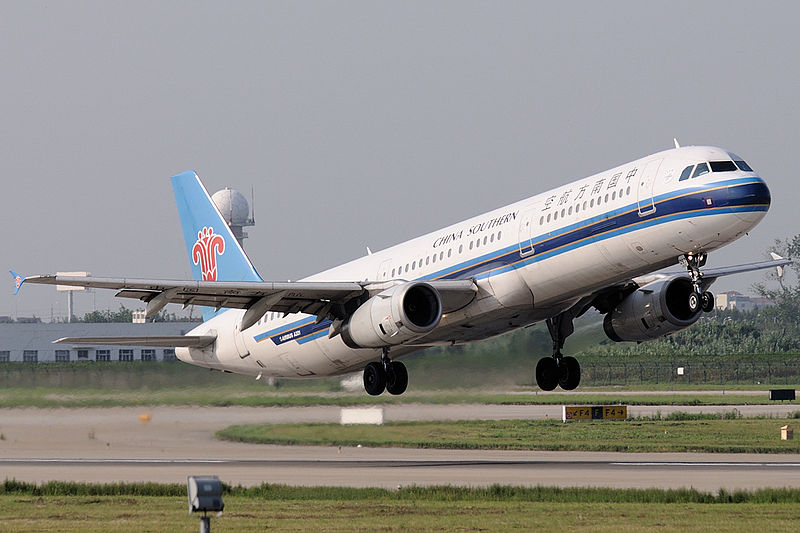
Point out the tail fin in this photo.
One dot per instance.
(214, 252)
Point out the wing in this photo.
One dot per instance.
(710, 275)
(605, 299)
(173, 341)
(322, 298)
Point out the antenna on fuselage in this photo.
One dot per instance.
(677, 144)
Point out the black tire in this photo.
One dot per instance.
(397, 378)
(547, 373)
(694, 302)
(707, 301)
(569, 373)
(374, 379)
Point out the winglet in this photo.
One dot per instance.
(776, 257)
(18, 281)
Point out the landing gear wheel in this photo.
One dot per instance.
(694, 302)
(547, 373)
(374, 379)
(569, 373)
(396, 378)
(707, 302)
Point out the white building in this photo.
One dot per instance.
(730, 300)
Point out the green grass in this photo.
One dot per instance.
(693, 435)
(224, 396)
(148, 507)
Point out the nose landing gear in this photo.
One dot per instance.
(698, 299)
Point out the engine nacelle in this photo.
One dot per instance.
(655, 310)
(396, 315)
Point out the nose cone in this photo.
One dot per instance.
(751, 200)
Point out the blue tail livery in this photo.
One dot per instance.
(214, 252)
(18, 281)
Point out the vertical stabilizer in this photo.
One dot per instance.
(214, 252)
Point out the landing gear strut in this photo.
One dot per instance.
(698, 299)
(388, 375)
(558, 370)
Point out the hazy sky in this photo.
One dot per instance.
(362, 123)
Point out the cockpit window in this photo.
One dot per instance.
(740, 162)
(686, 173)
(723, 166)
(701, 169)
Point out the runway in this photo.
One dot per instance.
(108, 445)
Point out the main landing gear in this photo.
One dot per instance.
(698, 298)
(388, 375)
(558, 370)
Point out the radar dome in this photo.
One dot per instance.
(233, 206)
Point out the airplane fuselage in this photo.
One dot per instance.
(530, 260)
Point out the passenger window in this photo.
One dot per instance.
(562, 213)
(428, 260)
(584, 205)
(723, 166)
(591, 204)
(701, 169)
(434, 258)
(413, 265)
(628, 190)
(460, 248)
(577, 207)
(686, 173)
(541, 221)
(548, 217)
(441, 254)
(570, 210)
(393, 272)
(606, 198)
(471, 244)
(406, 267)
(614, 195)
(499, 234)
(485, 239)
(491, 238)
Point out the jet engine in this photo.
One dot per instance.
(652, 311)
(397, 315)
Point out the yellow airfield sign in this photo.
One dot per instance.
(594, 412)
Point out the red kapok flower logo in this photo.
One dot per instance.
(205, 252)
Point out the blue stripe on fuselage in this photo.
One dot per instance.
(728, 196)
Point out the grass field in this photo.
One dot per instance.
(690, 434)
(223, 396)
(88, 508)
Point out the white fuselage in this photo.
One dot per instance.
(531, 260)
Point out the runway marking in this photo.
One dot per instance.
(394, 463)
(683, 464)
(116, 461)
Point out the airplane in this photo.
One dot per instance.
(597, 242)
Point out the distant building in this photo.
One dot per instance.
(730, 300)
(32, 342)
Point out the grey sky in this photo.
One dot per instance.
(361, 123)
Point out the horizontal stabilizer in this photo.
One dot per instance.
(167, 341)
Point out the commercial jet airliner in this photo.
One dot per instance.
(596, 242)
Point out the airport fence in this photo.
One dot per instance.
(699, 372)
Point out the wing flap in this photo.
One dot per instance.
(311, 297)
(166, 341)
